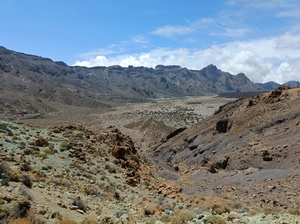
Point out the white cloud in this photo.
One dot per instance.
(262, 60)
(139, 39)
(232, 32)
(289, 13)
(259, 4)
(169, 30)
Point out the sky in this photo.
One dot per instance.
(260, 38)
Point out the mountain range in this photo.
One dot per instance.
(32, 84)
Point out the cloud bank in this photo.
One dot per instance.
(262, 60)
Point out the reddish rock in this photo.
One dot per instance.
(210, 167)
(119, 152)
(41, 142)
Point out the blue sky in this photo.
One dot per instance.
(260, 38)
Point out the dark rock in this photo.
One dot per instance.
(267, 156)
(222, 164)
(56, 215)
(223, 125)
(176, 132)
(119, 152)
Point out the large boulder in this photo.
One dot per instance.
(223, 125)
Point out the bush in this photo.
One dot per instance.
(219, 209)
(22, 209)
(214, 220)
(21, 221)
(182, 217)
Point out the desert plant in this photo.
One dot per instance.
(182, 217)
(294, 211)
(25, 167)
(41, 155)
(92, 191)
(22, 208)
(150, 209)
(214, 220)
(219, 209)
(7, 173)
(68, 222)
(268, 211)
(49, 151)
(21, 221)
(65, 145)
(4, 212)
(89, 220)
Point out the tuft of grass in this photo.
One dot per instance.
(49, 151)
(219, 209)
(182, 216)
(151, 209)
(21, 221)
(65, 145)
(294, 211)
(22, 208)
(214, 220)
(89, 220)
(268, 211)
(68, 222)
(4, 212)
(41, 155)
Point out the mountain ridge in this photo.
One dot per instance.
(33, 84)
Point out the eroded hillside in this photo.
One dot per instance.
(248, 150)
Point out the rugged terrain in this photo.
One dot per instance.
(240, 165)
(142, 145)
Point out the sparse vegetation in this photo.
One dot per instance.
(215, 220)
(219, 209)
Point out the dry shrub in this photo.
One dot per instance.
(165, 219)
(150, 210)
(29, 219)
(12, 175)
(215, 220)
(268, 211)
(91, 190)
(4, 212)
(294, 211)
(182, 217)
(68, 222)
(89, 220)
(21, 221)
(22, 208)
(219, 209)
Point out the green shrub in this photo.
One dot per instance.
(214, 220)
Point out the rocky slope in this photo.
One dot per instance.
(248, 150)
(247, 128)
